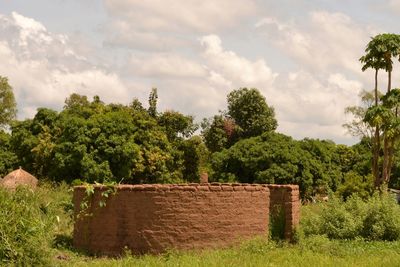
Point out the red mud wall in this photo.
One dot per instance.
(152, 218)
(287, 199)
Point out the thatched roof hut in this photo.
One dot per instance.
(18, 177)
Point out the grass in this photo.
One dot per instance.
(316, 251)
(310, 251)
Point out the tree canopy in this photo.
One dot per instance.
(248, 115)
(8, 106)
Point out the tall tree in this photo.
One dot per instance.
(250, 111)
(379, 53)
(386, 117)
(153, 97)
(8, 106)
(391, 47)
(374, 59)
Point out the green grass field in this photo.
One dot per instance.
(317, 251)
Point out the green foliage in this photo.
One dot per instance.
(93, 141)
(248, 115)
(376, 218)
(29, 222)
(214, 134)
(251, 112)
(358, 127)
(108, 189)
(8, 159)
(216, 137)
(277, 223)
(194, 157)
(153, 97)
(8, 106)
(177, 125)
(356, 184)
(316, 166)
(380, 52)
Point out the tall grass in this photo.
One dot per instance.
(29, 223)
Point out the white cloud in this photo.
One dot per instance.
(201, 16)
(305, 104)
(162, 25)
(237, 69)
(322, 42)
(44, 69)
(194, 75)
(326, 47)
(395, 5)
(166, 65)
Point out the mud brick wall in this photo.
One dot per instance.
(286, 198)
(153, 218)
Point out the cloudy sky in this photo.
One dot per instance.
(301, 54)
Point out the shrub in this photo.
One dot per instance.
(355, 184)
(377, 218)
(382, 219)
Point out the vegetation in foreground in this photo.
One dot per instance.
(39, 233)
(312, 251)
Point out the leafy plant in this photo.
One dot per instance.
(87, 207)
(377, 218)
(29, 220)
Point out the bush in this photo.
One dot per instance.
(355, 184)
(382, 219)
(377, 218)
(29, 221)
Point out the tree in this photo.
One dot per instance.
(94, 141)
(177, 125)
(379, 53)
(78, 105)
(136, 105)
(8, 159)
(153, 97)
(248, 115)
(386, 117)
(218, 132)
(276, 158)
(250, 111)
(391, 129)
(8, 106)
(374, 58)
(358, 127)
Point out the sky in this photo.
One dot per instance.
(302, 55)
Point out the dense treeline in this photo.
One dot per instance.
(97, 142)
(93, 141)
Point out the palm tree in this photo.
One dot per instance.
(379, 53)
(374, 59)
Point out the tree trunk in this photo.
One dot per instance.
(390, 161)
(375, 159)
(386, 153)
(376, 142)
(376, 87)
(386, 145)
